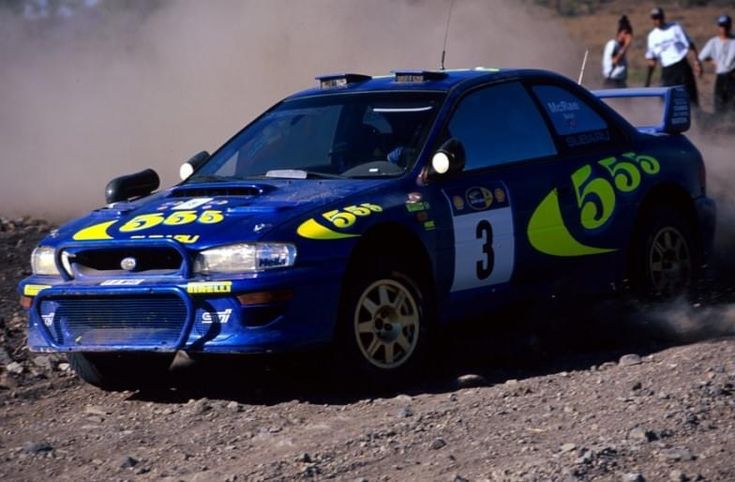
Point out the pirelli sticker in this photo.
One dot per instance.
(209, 287)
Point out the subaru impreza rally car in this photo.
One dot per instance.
(366, 212)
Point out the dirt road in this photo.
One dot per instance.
(666, 416)
(580, 401)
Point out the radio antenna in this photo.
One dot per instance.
(584, 64)
(446, 33)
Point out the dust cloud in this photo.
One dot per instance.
(685, 322)
(711, 314)
(110, 91)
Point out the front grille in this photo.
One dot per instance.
(155, 320)
(107, 262)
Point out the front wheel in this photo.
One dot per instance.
(384, 325)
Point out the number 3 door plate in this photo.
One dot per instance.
(483, 236)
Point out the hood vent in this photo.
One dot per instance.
(214, 191)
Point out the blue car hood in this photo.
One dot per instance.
(204, 215)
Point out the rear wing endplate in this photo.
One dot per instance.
(676, 116)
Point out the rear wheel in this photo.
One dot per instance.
(384, 324)
(120, 371)
(666, 257)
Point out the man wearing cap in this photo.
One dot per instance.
(669, 44)
(721, 51)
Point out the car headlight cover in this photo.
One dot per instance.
(43, 261)
(245, 257)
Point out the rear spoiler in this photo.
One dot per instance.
(676, 116)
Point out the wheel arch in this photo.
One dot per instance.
(667, 194)
(395, 240)
(386, 250)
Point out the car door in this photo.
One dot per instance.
(505, 138)
(594, 197)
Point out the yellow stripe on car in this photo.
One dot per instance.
(310, 229)
(95, 232)
(548, 234)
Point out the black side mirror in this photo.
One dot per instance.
(188, 168)
(448, 159)
(132, 186)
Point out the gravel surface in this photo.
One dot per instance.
(606, 397)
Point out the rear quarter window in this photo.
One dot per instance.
(573, 119)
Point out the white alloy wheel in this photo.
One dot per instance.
(386, 323)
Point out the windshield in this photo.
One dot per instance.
(341, 135)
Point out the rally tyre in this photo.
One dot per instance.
(666, 258)
(113, 371)
(384, 325)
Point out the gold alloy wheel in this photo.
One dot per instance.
(386, 324)
(669, 262)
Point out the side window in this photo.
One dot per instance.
(573, 119)
(498, 125)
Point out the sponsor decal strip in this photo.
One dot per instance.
(121, 282)
(209, 317)
(209, 287)
(48, 319)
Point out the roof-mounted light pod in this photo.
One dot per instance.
(414, 76)
(331, 81)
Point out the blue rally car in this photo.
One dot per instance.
(368, 211)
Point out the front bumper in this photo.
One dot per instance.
(166, 315)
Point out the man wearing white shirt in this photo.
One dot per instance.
(669, 44)
(721, 51)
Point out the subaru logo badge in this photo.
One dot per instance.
(128, 264)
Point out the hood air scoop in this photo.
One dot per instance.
(214, 191)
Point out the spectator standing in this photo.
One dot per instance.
(614, 60)
(669, 44)
(721, 51)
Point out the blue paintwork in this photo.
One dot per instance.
(317, 280)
